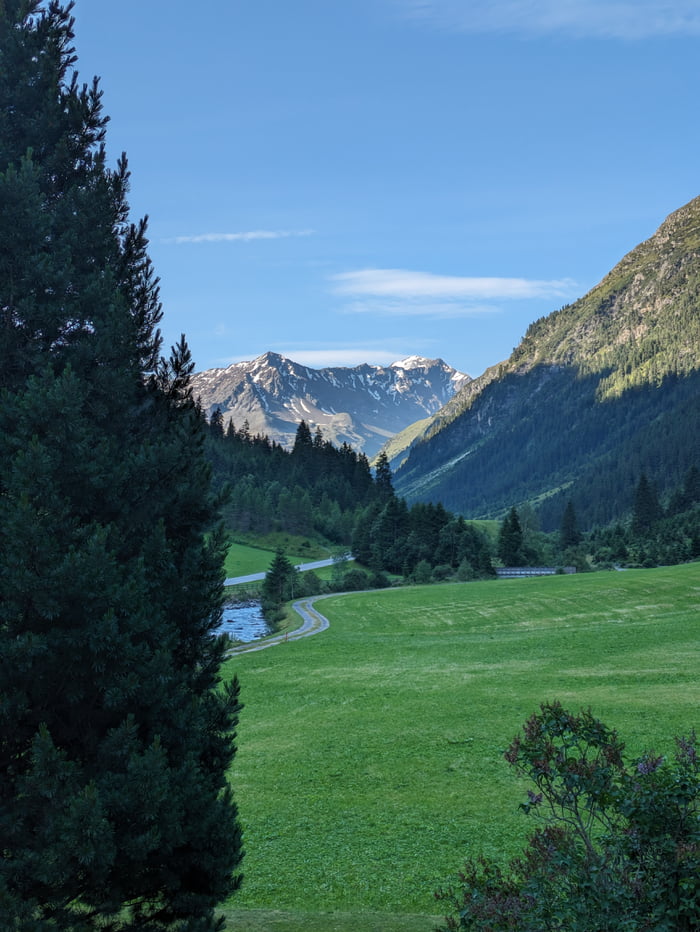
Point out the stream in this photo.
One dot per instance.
(243, 621)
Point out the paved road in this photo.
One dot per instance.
(256, 577)
(313, 622)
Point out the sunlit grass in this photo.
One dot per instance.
(371, 756)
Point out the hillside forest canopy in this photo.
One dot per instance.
(316, 490)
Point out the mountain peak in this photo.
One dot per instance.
(416, 362)
(361, 406)
(639, 323)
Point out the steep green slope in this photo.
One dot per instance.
(594, 394)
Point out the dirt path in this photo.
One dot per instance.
(313, 622)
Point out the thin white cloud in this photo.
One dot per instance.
(243, 237)
(593, 19)
(406, 293)
(405, 284)
(413, 308)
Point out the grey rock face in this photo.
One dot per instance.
(362, 406)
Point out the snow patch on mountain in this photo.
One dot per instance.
(361, 406)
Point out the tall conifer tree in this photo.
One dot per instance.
(569, 534)
(510, 540)
(115, 733)
(647, 509)
(382, 476)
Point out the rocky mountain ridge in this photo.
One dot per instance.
(362, 406)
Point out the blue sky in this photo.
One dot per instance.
(348, 181)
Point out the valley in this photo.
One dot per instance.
(154, 774)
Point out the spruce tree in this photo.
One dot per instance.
(646, 510)
(382, 476)
(569, 534)
(303, 440)
(278, 586)
(115, 731)
(510, 540)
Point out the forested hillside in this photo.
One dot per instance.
(330, 493)
(315, 488)
(595, 394)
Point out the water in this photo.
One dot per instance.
(243, 621)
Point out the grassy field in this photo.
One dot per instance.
(371, 756)
(245, 559)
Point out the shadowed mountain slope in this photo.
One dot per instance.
(596, 393)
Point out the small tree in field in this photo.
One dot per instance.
(619, 846)
(569, 534)
(510, 540)
(278, 585)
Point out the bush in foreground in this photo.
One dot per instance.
(619, 847)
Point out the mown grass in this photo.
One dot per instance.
(370, 756)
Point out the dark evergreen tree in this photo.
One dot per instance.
(389, 533)
(510, 540)
(216, 423)
(115, 732)
(303, 439)
(569, 534)
(278, 585)
(647, 510)
(318, 438)
(382, 476)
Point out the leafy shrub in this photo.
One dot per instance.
(619, 849)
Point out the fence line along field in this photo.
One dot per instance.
(371, 756)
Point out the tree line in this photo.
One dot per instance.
(318, 489)
(545, 436)
(313, 489)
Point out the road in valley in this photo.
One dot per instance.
(256, 577)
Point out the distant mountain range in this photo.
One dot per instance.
(595, 394)
(362, 406)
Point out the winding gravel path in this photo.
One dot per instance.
(313, 622)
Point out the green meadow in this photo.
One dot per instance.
(370, 757)
(243, 559)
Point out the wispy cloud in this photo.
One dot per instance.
(243, 237)
(404, 293)
(598, 19)
(412, 307)
(402, 283)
